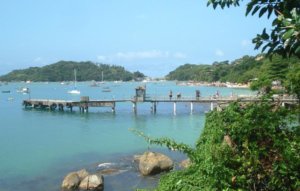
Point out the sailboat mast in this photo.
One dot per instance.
(102, 76)
(75, 77)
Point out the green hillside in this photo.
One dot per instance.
(64, 71)
(241, 70)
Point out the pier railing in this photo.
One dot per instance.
(85, 102)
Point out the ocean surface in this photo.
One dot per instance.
(39, 147)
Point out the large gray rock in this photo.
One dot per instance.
(72, 180)
(92, 182)
(151, 163)
(82, 174)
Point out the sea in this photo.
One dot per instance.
(39, 147)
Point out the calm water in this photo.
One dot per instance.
(38, 148)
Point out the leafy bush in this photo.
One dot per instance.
(253, 147)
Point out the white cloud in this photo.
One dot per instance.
(179, 55)
(219, 53)
(142, 55)
(38, 59)
(139, 55)
(101, 58)
(245, 43)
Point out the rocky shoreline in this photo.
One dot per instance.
(148, 165)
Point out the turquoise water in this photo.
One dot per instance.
(38, 148)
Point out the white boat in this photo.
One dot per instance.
(74, 91)
(23, 90)
(102, 82)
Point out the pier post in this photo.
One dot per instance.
(71, 108)
(134, 107)
(174, 108)
(283, 104)
(113, 109)
(192, 107)
(153, 107)
(211, 106)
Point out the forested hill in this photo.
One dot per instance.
(64, 71)
(241, 70)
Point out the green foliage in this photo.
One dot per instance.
(292, 82)
(241, 70)
(63, 71)
(263, 151)
(284, 38)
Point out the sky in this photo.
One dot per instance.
(150, 36)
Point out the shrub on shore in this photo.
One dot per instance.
(252, 147)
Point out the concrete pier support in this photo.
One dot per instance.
(153, 107)
(174, 108)
(134, 107)
(211, 106)
(192, 107)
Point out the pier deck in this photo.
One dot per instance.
(85, 103)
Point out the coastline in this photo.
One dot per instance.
(127, 178)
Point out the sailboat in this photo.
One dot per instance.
(74, 91)
(102, 82)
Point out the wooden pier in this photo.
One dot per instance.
(84, 103)
(140, 97)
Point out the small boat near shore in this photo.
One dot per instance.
(23, 90)
(106, 89)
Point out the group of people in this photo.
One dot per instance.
(179, 94)
(198, 94)
(171, 95)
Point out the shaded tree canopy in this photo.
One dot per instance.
(284, 37)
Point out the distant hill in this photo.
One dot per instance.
(64, 71)
(240, 71)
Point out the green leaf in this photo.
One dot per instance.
(288, 34)
(297, 51)
(262, 11)
(270, 10)
(249, 8)
(255, 9)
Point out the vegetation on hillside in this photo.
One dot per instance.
(242, 70)
(253, 147)
(64, 71)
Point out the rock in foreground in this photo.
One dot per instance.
(151, 163)
(73, 179)
(92, 182)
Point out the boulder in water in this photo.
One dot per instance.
(73, 179)
(151, 163)
(92, 182)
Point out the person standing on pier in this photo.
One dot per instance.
(170, 94)
(197, 94)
